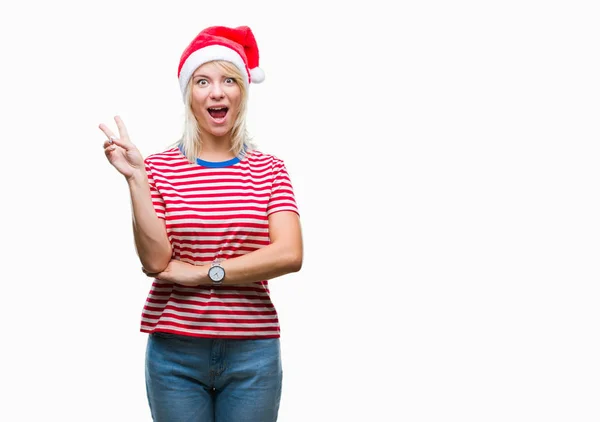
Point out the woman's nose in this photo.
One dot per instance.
(217, 91)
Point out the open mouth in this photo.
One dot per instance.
(218, 113)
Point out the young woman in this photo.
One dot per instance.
(213, 219)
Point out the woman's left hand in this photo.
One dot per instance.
(179, 272)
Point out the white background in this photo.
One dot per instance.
(445, 160)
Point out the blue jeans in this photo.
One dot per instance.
(212, 380)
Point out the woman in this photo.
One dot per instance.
(213, 220)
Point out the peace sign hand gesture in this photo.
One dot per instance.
(120, 152)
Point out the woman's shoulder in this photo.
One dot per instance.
(256, 156)
(166, 156)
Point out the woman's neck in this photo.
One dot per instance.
(216, 148)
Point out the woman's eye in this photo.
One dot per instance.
(229, 80)
(202, 82)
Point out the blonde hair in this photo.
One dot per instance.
(191, 139)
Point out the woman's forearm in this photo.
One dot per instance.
(282, 256)
(266, 263)
(151, 241)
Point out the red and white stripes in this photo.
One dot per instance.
(215, 211)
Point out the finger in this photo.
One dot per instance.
(109, 149)
(109, 142)
(109, 133)
(122, 129)
(121, 142)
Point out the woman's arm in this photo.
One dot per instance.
(151, 241)
(149, 232)
(282, 256)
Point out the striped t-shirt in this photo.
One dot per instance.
(215, 210)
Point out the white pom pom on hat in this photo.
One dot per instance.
(257, 75)
(235, 45)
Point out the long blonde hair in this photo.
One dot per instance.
(191, 139)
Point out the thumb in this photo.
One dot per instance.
(126, 145)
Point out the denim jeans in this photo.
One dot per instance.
(212, 380)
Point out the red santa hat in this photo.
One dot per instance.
(235, 45)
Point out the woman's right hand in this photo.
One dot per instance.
(121, 153)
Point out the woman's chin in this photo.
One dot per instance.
(217, 130)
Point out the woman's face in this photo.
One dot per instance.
(216, 100)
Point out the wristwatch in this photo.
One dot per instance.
(216, 273)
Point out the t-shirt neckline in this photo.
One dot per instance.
(218, 164)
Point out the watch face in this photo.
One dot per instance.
(216, 273)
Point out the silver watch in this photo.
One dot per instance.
(216, 273)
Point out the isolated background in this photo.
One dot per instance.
(445, 161)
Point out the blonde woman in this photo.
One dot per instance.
(214, 220)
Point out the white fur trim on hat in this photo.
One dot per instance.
(207, 54)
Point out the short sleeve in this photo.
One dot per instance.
(282, 193)
(157, 199)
